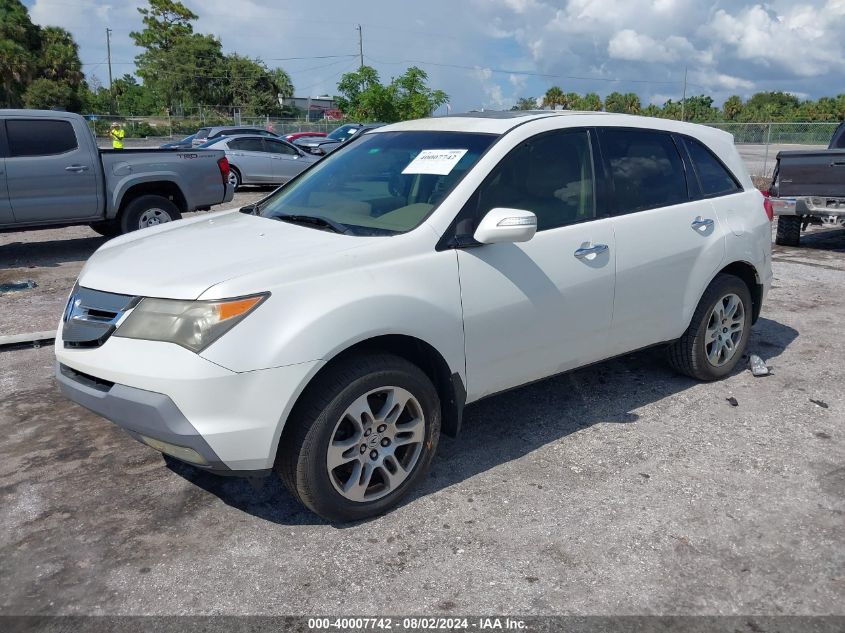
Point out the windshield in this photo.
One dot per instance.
(202, 132)
(383, 183)
(210, 143)
(344, 133)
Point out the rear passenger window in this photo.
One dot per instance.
(550, 175)
(34, 137)
(646, 169)
(714, 179)
(247, 144)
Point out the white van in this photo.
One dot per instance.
(333, 330)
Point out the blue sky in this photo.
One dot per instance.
(486, 53)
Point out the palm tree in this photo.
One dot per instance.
(16, 70)
(60, 56)
(282, 83)
(554, 97)
(732, 107)
(631, 103)
(615, 102)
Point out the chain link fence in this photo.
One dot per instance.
(759, 143)
(148, 131)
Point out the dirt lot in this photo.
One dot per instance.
(617, 489)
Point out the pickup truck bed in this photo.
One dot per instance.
(808, 187)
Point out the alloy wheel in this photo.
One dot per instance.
(376, 444)
(724, 330)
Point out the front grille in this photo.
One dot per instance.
(86, 379)
(91, 316)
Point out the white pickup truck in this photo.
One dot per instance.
(52, 173)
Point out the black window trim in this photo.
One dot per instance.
(613, 202)
(8, 146)
(4, 146)
(267, 140)
(452, 240)
(701, 195)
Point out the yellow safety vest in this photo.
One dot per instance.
(117, 138)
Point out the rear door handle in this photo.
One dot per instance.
(701, 223)
(76, 168)
(586, 251)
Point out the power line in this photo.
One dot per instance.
(526, 72)
(267, 59)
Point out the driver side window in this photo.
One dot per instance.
(550, 175)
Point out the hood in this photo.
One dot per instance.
(181, 260)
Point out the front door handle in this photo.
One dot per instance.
(586, 251)
(76, 168)
(701, 223)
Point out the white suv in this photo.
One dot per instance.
(333, 330)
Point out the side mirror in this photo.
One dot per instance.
(506, 225)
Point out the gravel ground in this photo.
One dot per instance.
(617, 489)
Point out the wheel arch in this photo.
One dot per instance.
(449, 385)
(165, 188)
(749, 275)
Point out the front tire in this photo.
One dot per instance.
(718, 333)
(146, 211)
(788, 231)
(361, 437)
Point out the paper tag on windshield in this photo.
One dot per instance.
(435, 161)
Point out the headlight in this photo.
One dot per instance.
(192, 324)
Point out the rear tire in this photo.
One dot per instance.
(712, 346)
(788, 231)
(362, 435)
(145, 211)
(234, 177)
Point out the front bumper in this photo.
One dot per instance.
(163, 392)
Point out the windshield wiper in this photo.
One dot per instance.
(314, 220)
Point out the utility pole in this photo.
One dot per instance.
(361, 46)
(108, 52)
(684, 98)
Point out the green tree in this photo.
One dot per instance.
(615, 102)
(525, 103)
(651, 110)
(59, 57)
(20, 40)
(412, 98)
(732, 107)
(44, 94)
(631, 103)
(176, 63)
(590, 102)
(282, 83)
(363, 97)
(554, 97)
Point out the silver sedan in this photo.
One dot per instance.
(257, 160)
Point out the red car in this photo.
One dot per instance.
(291, 137)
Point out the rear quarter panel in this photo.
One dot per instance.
(195, 172)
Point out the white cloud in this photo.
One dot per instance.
(630, 45)
(726, 45)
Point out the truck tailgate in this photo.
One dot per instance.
(813, 173)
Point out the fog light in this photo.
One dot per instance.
(179, 452)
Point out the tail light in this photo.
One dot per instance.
(223, 164)
(767, 206)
